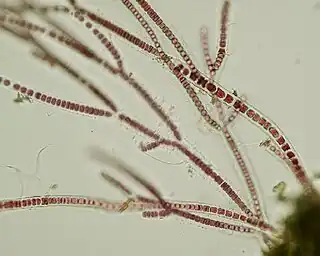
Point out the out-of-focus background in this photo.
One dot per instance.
(273, 56)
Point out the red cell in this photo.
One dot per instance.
(23, 89)
(194, 76)
(285, 147)
(228, 213)
(256, 118)
(274, 132)
(101, 112)
(281, 140)
(206, 208)
(213, 209)
(185, 72)
(290, 154)
(52, 34)
(221, 211)
(6, 82)
(243, 108)
(218, 179)
(228, 99)
(29, 203)
(30, 92)
(16, 87)
(211, 87)
(43, 97)
(202, 81)
(262, 121)
(37, 95)
(237, 104)
(100, 36)
(250, 113)
(266, 125)
(243, 218)
(300, 174)
(220, 93)
(178, 68)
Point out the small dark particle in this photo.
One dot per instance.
(234, 92)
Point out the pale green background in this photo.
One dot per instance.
(274, 47)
